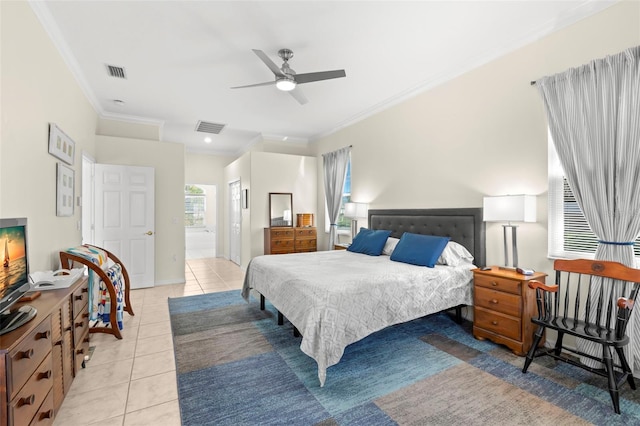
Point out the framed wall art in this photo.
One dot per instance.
(65, 183)
(61, 145)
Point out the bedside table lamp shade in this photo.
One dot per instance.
(355, 211)
(510, 208)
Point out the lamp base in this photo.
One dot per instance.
(354, 228)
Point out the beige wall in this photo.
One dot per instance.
(209, 170)
(261, 173)
(483, 133)
(37, 88)
(168, 161)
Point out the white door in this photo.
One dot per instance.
(124, 218)
(235, 219)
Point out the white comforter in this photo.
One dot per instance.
(335, 298)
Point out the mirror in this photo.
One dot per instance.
(280, 209)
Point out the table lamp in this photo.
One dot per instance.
(355, 211)
(510, 208)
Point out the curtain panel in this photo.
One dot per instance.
(335, 172)
(593, 113)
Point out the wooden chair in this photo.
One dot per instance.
(609, 288)
(67, 260)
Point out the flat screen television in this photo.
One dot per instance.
(14, 262)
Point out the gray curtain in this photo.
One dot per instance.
(335, 171)
(594, 118)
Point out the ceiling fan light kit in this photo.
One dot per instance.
(286, 79)
(286, 84)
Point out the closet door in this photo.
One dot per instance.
(235, 221)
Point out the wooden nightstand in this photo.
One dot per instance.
(503, 307)
(340, 246)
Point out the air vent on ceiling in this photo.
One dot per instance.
(117, 72)
(209, 127)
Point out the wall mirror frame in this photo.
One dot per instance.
(280, 209)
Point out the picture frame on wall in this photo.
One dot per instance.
(61, 145)
(65, 184)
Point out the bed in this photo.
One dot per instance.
(335, 298)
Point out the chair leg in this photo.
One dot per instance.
(558, 347)
(532, 350)
(625, 366)
(613, 386)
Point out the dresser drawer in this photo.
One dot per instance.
(24, 359)
(498, 283)
(29, 399)
(281, 233)
(44, 416)
(499, 301)
(305, 245)
(81, 324)
(282, 245)
(80, 298)
(498, 323)
(81, 350)
(305, 233)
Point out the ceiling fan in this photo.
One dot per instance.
(286, 79)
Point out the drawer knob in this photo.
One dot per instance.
(79, 324)
(494, 301)
(45, 375)
(85, 315)
(494, 322)
(43, 335)
(27, 400)
(46, 415)
(79, 297)
(85, 290)
(27, 354)
(80, 351)
(493, 283)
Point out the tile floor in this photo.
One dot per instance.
(132, 381)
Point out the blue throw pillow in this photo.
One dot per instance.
(421, 250)
(369, 241)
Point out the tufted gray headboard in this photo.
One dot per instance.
(462, 225)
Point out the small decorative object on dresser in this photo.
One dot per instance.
(503, 307)
(282, 240)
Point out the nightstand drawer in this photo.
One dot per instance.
(498, 283)
(494, 300)
(501, 324)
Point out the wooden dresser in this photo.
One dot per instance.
(281, 240)
(40, 359)
(503, 307)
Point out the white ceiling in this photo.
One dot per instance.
(182, 57)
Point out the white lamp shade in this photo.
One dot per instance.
(356, 210)
(509, 208)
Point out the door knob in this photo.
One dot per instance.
(149, 232)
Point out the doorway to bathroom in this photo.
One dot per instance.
(200, 221)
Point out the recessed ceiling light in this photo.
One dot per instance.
(207, 139)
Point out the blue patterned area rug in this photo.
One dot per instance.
(236, 366)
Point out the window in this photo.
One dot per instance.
(195, 206)
(569, 233)
(344, 224)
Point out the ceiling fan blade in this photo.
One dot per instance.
(268, 62)
(299, 96)
(317, 76)
(268, 83)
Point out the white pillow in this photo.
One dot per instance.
(390, 245)
(454, 254)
